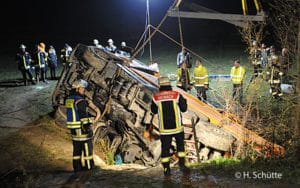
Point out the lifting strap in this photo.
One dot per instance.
(244, 7)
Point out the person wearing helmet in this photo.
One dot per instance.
(169, 104)
(65, 54)
(111, 47)
(125, 50)
(275, 77)
(256, 60)
(79, 123)
(96, 43)
(24, 62)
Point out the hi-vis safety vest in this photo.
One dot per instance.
(237, 75)
(74, 122)
(187, 79)
(167, 103)
(200, 76)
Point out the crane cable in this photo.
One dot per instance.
(152, 34)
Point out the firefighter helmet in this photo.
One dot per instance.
(79, 83)
(164, 81)
(110, 41)
(254, 43)
(96, 42)
(22, 46)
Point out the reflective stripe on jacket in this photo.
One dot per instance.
(182, 78)
(200, 76)
(169, 104)
(237, 75)
(77, 123)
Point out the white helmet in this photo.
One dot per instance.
(95, 41)
(110, 41)
(79, 83)
(254, 43)
(22, 46)
(123, 44)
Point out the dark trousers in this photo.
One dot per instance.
(83, 155)
(24, 73)
(166, 141)
(40, 73)
(257, 70)
(53, 73)
(201, 93)
(237, 92)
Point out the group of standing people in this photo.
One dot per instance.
(275, 65)
(183, 74)
(34, 66)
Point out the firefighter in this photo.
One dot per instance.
(65, 54)
(23, 60)
(184, 56)
(200, 80)
(285, 60)
(40, 60)
(125, 50)
(264, 54)
(256, 60)
(237, 75)
(79, 123)
(96, 43)
(183, 77)
(52, 62)
(169, 104)
(275, 77)
(111, 47)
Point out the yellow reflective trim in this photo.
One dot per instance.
(24, 61)
(181, 154)
(176, 111)
(73, 126)
(165, 159)
(257, 5)
(88, 157)
(76, 157)
(87, 154)
(161, 116)
(70, 103)
(244, 6)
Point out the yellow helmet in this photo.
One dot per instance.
(164, 81)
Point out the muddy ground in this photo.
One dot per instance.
(38, 153)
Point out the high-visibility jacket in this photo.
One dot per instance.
(183, 79)
(237, 75)
(78, 120)
(169, 104)
(200, 76)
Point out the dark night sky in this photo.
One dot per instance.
(73, 21)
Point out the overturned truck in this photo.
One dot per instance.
(122, 89)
